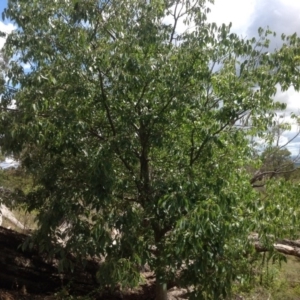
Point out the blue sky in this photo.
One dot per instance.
(3, 4)
(4, 26)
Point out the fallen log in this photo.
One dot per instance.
(285, 246)
(31, 271)
(285, 249)
(6, 213)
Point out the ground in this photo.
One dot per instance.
(145, 292)
(278, 283)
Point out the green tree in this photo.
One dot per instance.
(277, 161)
(127, 124)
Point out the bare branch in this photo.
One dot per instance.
(176, 18)
(260, 175)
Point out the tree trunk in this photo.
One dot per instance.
(161, 291)
(30, 270)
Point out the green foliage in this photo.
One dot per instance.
(15, 184)
(277, 160)
(126, 124)
(272, 281)
(15, 179)
(295, 176)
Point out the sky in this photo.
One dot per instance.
(282, 16)
(4, 26)
(3, 4)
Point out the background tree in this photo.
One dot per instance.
(126, 124)
(276, 159)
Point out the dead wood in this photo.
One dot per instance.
(285, 246)
(32, 271)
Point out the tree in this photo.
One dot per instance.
(128, 125)
(276, 160)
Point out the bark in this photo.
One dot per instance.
(6, 213)
(284, 246)
(30, 270)
(161, 291)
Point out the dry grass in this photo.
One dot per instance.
(280, 283)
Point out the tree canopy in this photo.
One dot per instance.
(129, 124)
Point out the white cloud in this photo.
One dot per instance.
(7, 28)
(238, 12)
(291, 98)
(280, 16)
(290, 3)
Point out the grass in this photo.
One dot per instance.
(278, 283)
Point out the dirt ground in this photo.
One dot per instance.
(19, 295)
(145, 292)
(19, 269)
